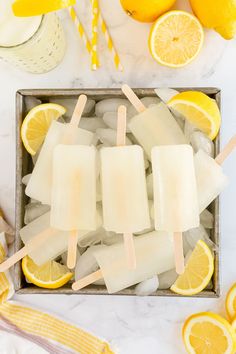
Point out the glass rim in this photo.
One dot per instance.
(27, 40)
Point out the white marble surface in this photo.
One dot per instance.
(133, 325)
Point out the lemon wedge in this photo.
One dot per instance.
(36, 124)
(207, 332)
(198, 271)
(51, 275)
(199, 109)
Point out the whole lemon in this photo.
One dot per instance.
(146, 10)
(219, 15)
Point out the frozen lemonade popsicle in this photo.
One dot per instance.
(153, 126)
(73, 203)
(154, 254)
(175, 193)
(211, 179)
(40, 183)
(124, 194)
(55, 245)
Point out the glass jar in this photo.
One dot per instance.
(43, 51)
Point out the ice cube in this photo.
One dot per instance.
(111, 238)
(34, 211)
(110, 119)
(165, 94)
(92, 124)
(92, 238)
(31, 102)
(150, 186)
(108, 137)
(207, 219)
(87, 264)
(199, 233)
(150, 101)
(186, 246)
(189, 129)
(199, 140)
(147, 287)
(179, 120)
(111, 105)
(70, 103)
(26, 179)
(167, 279)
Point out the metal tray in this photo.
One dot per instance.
(24, 166)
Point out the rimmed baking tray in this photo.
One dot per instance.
(24, 166)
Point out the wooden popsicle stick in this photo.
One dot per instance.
(120, 141)
(78, 111)
(72, 249)
(70, 131)
(133, 98)
(229, 147)
(89, 279)
(30, 246)
(121, 126)
(130, 250)
(178, 249)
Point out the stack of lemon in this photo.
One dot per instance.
(177, 37)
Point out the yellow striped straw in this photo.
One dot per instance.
(110, 43)
(94, 56)
(80, 28)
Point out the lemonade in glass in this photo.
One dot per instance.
(34, 44)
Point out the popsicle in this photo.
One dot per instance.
(175, 194)
(55, 245)
(40, 183)
(68, 136)
(43, 243)
(154, 125)
(154, 255)
(124, 194)
(211, 180)
(73, 203)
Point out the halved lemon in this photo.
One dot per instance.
(207, 332)
(176, 38)
(230, 302)
(51, 275)
(25, 8)
(199, 109)
(36, 124)
(198, 271)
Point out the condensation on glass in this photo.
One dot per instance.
(42, 52)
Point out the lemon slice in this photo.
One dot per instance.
(51, 275)
(199, 109)
(209, 333)
(230, 302)
(176, 38)
(198, 271)
(36, 124)
(25, 8)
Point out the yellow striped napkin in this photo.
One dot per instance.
(6, 283)
(50, 332)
